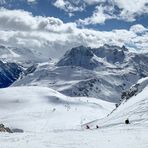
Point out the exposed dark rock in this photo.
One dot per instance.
(5, 129)
(128, 94)
(31, 69)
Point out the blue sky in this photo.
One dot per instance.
(72, 23)
(60, 9)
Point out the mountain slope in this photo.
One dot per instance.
(9, 72)
(77, 81)
(22, 55)
(41, 109)
(50, 119)
(90, 72)
(81, 56)
(134, 107)
(112, 54)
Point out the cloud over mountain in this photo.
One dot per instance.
(22, 28)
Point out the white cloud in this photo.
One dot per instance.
(18, 20)
(132, 6)
(53, 36)
(63, 4)
(98, 17)
(128, 10)
(139, 29)
(92, 2)
(31, 1)
(69, 6)
(60, 4)
(131, 9)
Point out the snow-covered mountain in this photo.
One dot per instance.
(102, 73)
(22, 55)
(81, 56)
(112, 54)
(9, 72)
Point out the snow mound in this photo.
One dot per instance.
(41, 109)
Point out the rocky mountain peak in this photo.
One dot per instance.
(79, 56)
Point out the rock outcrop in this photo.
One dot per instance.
(5, 129)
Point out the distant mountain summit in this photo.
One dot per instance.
(112, 54)
(80, 56)
(22, 55)
(91, 58)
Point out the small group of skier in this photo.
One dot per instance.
(126, 122)
(88, 127)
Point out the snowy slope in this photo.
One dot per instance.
(40, 109)
(135, 108)
(47, 122)
(77, 81)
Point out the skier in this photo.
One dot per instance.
(127, 121)
(97, 126)
(87, 127)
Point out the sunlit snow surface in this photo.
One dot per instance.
(50, 119)
(125, 138)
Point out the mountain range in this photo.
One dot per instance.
(87, 94)
(103, 73)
